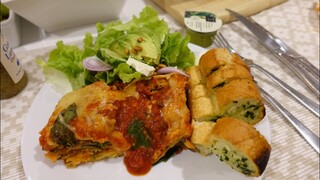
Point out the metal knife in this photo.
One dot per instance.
(308, 73)
(306, 133)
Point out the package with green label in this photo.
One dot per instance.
(201, 26)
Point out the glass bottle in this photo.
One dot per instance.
(13, 76)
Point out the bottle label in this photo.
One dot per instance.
(203, 22)
(10, 62)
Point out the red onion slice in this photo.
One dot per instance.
(167, 70)
(93, 63)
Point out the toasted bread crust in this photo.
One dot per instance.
(196, 79)
(203, 109)
(241, 98)
(225, 103)
(217, 57)
(213, 59)
(236, 90)
(245, 139)
(225, 80)
(226, 74)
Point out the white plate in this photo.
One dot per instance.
(184, 166)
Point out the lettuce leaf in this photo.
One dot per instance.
(123, 72)
(68, 59)
(123, 38)
(112, 44)
(148, 20)
(175, 51)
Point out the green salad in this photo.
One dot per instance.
(146, 39)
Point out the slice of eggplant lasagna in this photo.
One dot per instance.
(141, 121)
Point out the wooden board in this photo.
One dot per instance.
(177, 8)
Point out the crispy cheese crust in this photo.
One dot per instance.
(88, 125)
(140, 122)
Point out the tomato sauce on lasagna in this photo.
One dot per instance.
(141, 122)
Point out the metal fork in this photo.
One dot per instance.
(306, 133)
(220, 41)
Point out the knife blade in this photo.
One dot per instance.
(274, 43)
(299, 58)
(279, 49)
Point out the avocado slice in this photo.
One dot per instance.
(142, 46)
